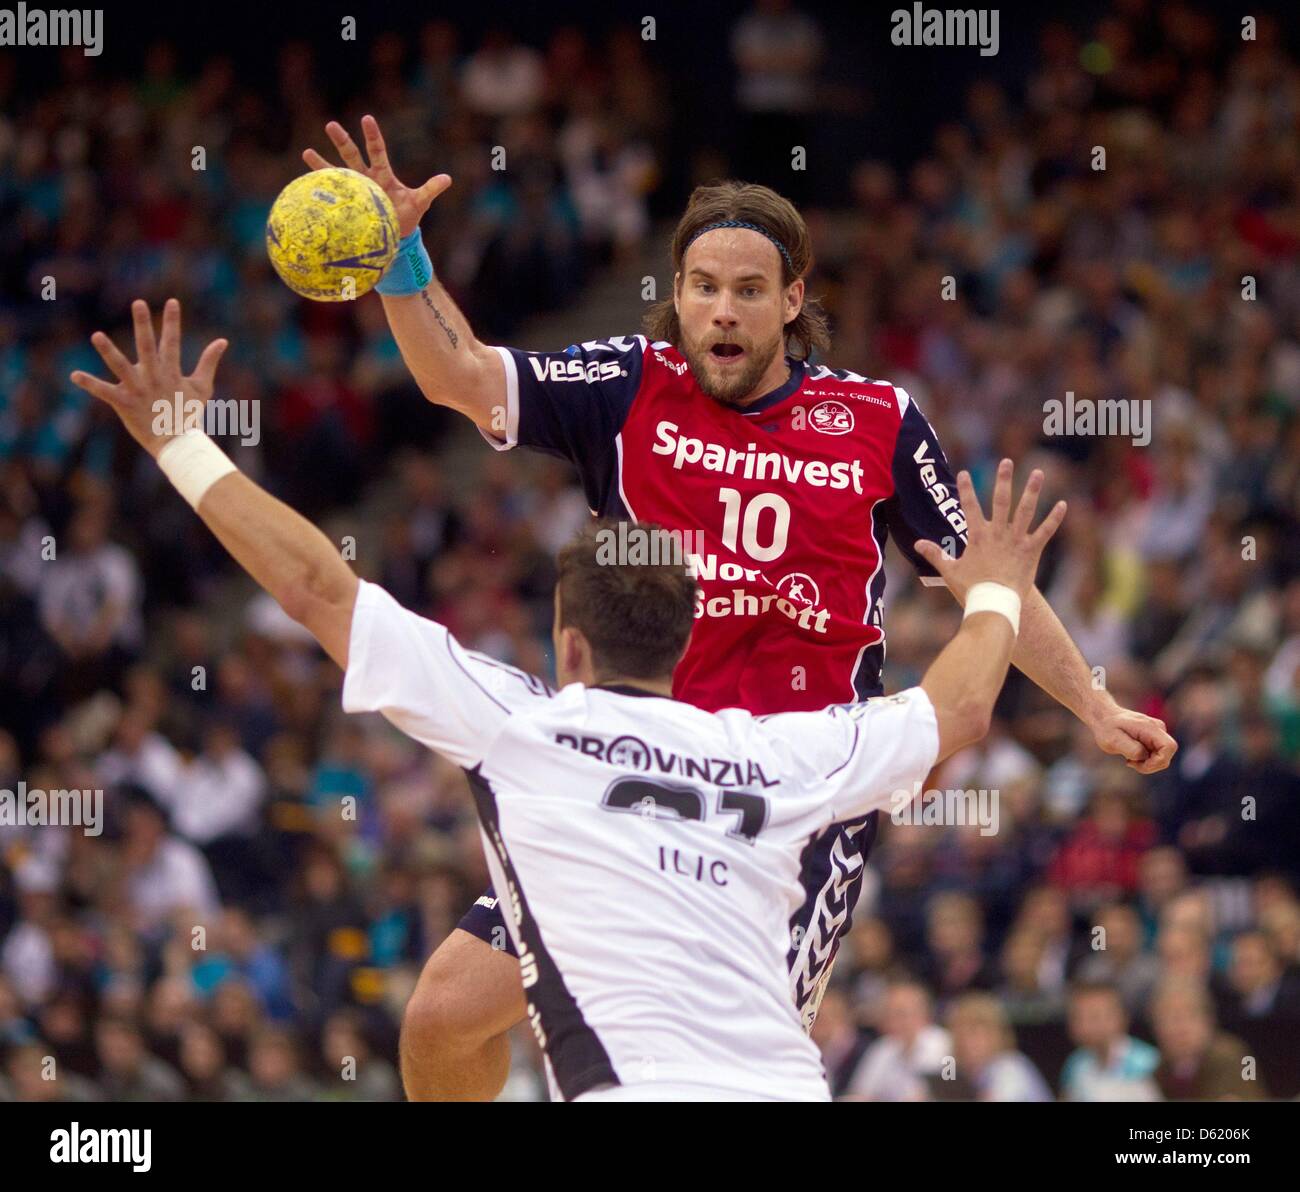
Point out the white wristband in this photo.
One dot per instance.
(988, 597)
(194, 463)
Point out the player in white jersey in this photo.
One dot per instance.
(648, 850)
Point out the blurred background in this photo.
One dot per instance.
(137, 661)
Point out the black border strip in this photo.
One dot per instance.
(578, 1057)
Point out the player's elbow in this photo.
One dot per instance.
(296, 600)
(322, 601)
(475, 387)
(310, 598)
(964, 721)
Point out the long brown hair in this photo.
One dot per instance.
(760, 205)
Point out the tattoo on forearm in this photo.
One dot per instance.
(440, 319)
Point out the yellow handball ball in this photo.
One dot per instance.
(331, 235)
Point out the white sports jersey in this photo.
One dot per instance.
(646, 852)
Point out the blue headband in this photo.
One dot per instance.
(740, 223)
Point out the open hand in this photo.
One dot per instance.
(1000, 549)
(410, 204)
(150, 392)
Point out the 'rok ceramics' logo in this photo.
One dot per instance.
(831, 418)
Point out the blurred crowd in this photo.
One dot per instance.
(271, 875)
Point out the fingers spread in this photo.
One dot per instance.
(347, 148)
(315, 160)
(433, 188)
(206, 370)
(120, 366)
(1028, 502)
(94, 386)
(1002, 492)
(169, 343)
(146, 347)
(376, 150)
(1049, 525)
(931, 553)
(970, 504)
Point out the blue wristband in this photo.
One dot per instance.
(410, 271)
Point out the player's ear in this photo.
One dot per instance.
(572, 655)
(794, 299)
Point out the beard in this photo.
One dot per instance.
(728, 384)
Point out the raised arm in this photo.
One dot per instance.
(447, 361)
(996, 574)
(279, 548)
(925, 508)
(890, 741)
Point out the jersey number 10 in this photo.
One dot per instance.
(745, 529)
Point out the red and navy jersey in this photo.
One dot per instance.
(789, 501)
(788, 505)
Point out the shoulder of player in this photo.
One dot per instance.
(636, 354)
(618, 359)
(499, 678)
(620, 345)
(844, 385)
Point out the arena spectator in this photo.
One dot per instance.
(27, 958)
(89, 603)
(984, 1047)
(776, 49)
(956, 961)
(128, 1072)
(1197, 1061)
(165, 874)
(236, 952)
(1262, 1007)
(363, 1076)
(1117, 957)
(275, 1069)
(1110, 1064)
(1099, 860)
(1025, 997)
(203, 1066)
(911, 1048)
(29, 1076)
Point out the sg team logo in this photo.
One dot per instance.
(831, 418)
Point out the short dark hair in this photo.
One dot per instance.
(637, 616)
